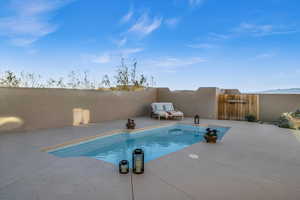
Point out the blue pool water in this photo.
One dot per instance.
(155, 143)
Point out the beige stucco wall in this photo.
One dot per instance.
(202, 101)
(273, 105)
(30, 109)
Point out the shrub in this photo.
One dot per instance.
(9, 79)
(283, 121)
(126, 79)
(296, 114)
(250, 118)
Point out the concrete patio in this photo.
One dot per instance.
(253, 161)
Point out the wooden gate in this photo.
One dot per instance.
(237, 106)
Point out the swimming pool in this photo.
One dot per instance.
(155, 142)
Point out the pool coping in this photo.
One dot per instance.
(117, 131)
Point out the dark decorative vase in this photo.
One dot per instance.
(211, 136)
(130, 124)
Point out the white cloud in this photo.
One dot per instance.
(145, 25)
(32, 51)
(22, 42)
(30, 20)
(175, 62)
(263, 30)
(194, 3)
(121, 42)
(217, 36)
(127, 17)
(31, 27)
(264, 56)
(254, 30)
(36, 7)
(172, 22)
(129, 51)
(105, 58)
(111, 56)
(202, 46)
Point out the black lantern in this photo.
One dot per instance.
(138, 161)
(197, 119)
(123, 167)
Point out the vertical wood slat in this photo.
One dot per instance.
(236, 107)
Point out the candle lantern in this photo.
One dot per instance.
(124, 167)
(138, 161)
(196, 119)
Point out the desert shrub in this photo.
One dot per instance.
(283, 121)
(128, 79)
(125, 79)
(296, 114)
(9, 79)
(250, 118)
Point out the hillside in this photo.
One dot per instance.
(282, 91)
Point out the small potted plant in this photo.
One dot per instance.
(211, 136)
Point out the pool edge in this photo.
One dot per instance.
(101, 135)
(116, 131)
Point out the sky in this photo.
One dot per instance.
(252, 45)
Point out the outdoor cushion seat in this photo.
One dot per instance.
(158, 111)
(165, 110)
(176, 113)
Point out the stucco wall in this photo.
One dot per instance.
(29, 109)
(273, 105)
(49, 108)
(202, 101)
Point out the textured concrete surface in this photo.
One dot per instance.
(253, 161)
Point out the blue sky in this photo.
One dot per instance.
(185, 44)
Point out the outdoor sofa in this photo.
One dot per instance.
(165, 110)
